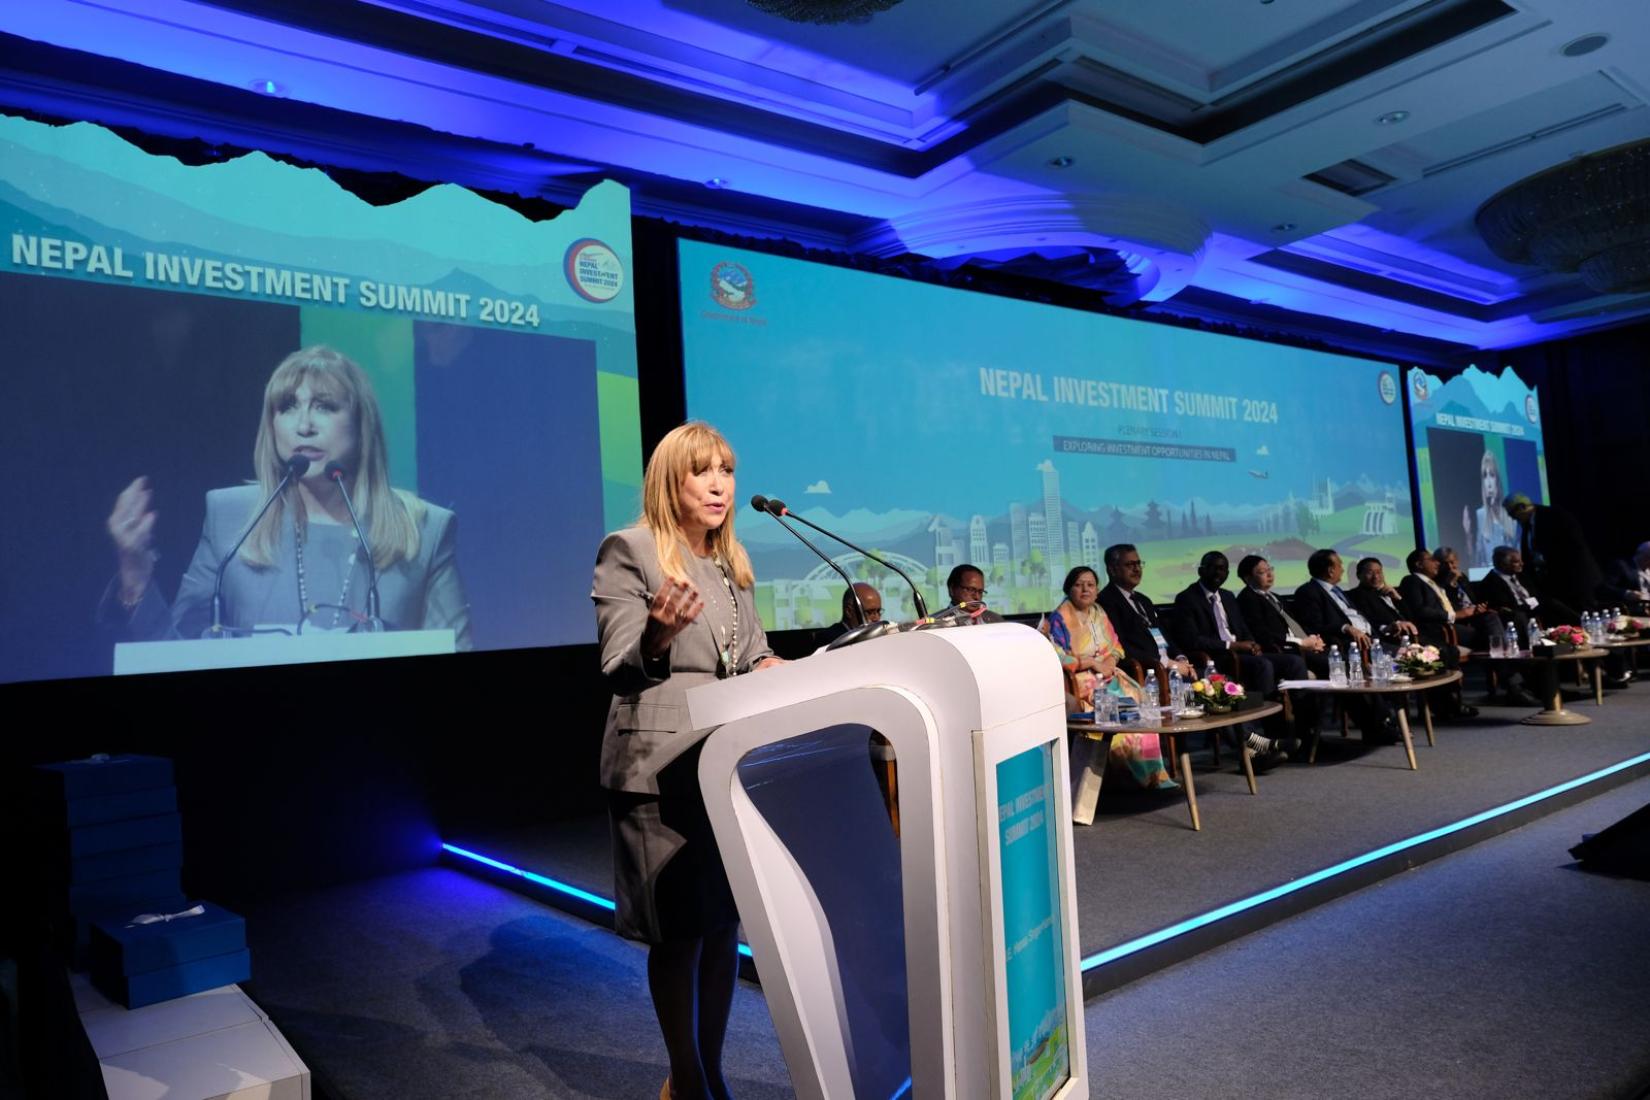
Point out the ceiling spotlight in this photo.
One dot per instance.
(1061, 162)
(267, 86)
(1587, 43)
(1391, 118)
(716, 183)
(1285, 227)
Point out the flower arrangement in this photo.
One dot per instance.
(1629, 627)
(1572, 636)
(1420, 660)
(1217, 694)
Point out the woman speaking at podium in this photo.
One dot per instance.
(300, 567)
(675, 608)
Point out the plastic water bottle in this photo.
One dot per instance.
(1337, 669)
(1498, 645)
(1152, 698)
(1208, 669)
(1512, 639)
(1381, 666)
(1535, 632)
(1177, 689)
(1354, 667)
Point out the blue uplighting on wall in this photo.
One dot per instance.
(1112, 954)
(542, 880)
(1202, 920)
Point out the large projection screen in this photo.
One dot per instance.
(939, 426)
(146, 304)
(1477, 439)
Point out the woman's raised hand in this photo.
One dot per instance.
(132, 527)
(674, 606)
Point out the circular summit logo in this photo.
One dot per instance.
(1389, 387)
(732, 286)
(1418, 387)
(593, 270)
(1532, 412)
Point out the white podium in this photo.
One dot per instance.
(186, 654)
(939, 963)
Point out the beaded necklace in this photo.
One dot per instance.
(727, 655)
(304, 607)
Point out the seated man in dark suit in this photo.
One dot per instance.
(870, 597)
(1627, 581)
(1144, 635)
(1474, 622)
(1323, 609)
(966, 586)
(1429, 608)
(1271, 623)
(1210, 620)
(1503, 589)
(1380, 603)
(1428, 605)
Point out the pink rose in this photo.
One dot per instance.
(1233, 689)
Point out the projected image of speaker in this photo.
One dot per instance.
(257, 420)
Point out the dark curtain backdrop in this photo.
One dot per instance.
(1595, 410)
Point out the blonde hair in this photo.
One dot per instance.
(390, 516)
(688, 449)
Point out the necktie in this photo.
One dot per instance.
(1296, 630)
(1353, 615)
(1520, 591)
(1221, 624)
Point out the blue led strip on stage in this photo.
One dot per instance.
(1112, 954)
(534, 877)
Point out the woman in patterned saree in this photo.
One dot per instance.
(1089, 652)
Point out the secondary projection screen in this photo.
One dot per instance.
(1477, 439)
(941, 427)
(146, 305)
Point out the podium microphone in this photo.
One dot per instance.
(763, 504)
(335, 474)
(296, 466)
(777, 508)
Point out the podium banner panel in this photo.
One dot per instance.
(819, 795)
(1029, 896)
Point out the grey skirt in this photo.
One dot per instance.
(669, 882)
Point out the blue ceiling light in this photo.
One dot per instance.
(1391, 118)
(266, 86)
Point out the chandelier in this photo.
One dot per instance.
(823, 11)
(1590, 216)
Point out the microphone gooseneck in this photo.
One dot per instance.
(763, 504)
(777, 508)
(335, 474)
(296, 467)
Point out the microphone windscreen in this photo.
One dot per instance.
(334, 470)
(777, 507)
(297, 466)
(759, 502)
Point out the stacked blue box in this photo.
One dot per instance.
(141, 958)
(108, 836)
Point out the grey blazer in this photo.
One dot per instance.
(423, 594)
(647, 723)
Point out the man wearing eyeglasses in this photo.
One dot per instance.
(1145, 638)
(966, 585)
